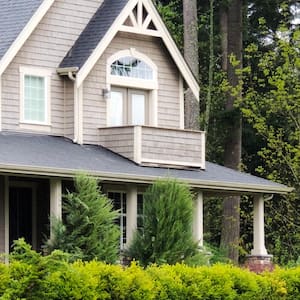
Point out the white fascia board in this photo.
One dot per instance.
(103, 44)
(24, 34)
(173, 49)
(216, 186)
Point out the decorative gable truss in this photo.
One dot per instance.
(140, 17)
(140, 21)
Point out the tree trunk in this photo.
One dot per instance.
(232, 155)
(190, 22)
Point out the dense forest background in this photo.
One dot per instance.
(248, 67)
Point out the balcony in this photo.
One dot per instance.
(154, 146)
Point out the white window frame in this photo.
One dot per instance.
(121, 215)
(40, 72)
(127, 104)
(135, 83)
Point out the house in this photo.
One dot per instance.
(98, 86)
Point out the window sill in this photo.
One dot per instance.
(35, 126)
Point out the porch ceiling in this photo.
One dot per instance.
(60, 157)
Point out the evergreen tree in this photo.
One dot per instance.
(167, 235)
(88, 230)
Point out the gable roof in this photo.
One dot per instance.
(14, 15)
(93, 33)
(102, 28)
(18, 19)
(46, 155)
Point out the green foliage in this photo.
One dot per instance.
(88, 230)
(167, 225)
(171, 13)
(271, 105)
(32, 276)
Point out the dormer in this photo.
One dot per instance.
(129, 87)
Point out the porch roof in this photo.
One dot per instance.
(57, 156)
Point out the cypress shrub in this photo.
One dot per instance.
(166, 236)
(88, 230)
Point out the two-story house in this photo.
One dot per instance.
(98, 86)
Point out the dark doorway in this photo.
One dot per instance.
(20, 214)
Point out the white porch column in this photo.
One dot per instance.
(55, 200)
(6, 217)
(259, 248)
(198, 219)
(131, 212)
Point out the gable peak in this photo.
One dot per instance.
(140, 20)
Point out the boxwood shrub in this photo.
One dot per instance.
(33, 276)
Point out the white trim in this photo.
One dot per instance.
(131, 212)
(203, 149)
(76, 113)
(132, 82)
(147, 22)
(133, 19)
(198, 219)
(0, 103)
(259, 248)
(36, 127)
(140, 13)
(6, 217)
(153, 108)
(161, 28)
(137, 144)
(171, 162)
(80, 115)
(24, 34)
(121, 191)
(142, 31)
(46, 74)
(181, 103)
(55, 201)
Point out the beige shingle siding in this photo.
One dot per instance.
(14, 15)
(46, 47)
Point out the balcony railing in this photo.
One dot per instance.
(156, 146)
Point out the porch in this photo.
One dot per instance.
(27, 202)
(43, 165)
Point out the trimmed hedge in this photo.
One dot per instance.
(52, 277)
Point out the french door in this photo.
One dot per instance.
(128, 107)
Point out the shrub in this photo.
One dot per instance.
(88, 230)
(167, 225)
(32, 276)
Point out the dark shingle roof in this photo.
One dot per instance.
(41, 154)
(14, 15)
(93, 33)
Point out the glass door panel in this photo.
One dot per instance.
(115, 108)
(138, 109)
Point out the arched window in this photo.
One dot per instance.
(130, 66)
(132, 81)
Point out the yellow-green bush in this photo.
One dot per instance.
(52, 277)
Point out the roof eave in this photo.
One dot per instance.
(145, 179)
